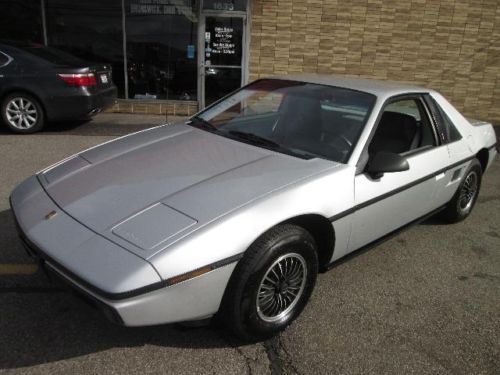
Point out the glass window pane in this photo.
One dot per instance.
(287, 116)
(3, 59)
(223, 41)
(407, 107)
(89, 29)
(220, 82)
(21, 21)
(161, 49)
(452, 134)
(54, 56)
(225, 5)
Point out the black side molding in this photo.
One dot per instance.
(384, 238)
(398, 190)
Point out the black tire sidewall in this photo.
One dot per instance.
(40, 120)
(292, 239)
(454, 213)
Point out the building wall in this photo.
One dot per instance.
(452, 46)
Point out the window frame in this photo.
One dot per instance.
(419, 97)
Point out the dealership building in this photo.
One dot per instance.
(177, 56)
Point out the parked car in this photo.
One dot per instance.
(232, 213)
(40, 84)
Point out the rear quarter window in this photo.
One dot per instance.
(3, 59)
(452, 132)
(448, 131)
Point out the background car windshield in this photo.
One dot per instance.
(303, 119)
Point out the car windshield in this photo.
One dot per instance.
(301, 119)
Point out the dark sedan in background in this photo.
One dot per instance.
(40, 84)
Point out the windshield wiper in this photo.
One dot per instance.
(204, 124)
(268, 143)
(254, 138)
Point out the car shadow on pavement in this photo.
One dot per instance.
(42, 322)
(46, 327)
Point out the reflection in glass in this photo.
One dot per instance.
(21, 21)
(89, 29)
(220, 82)
(297, 118)
(161, 49)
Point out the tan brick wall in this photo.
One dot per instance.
(452, 46)
(155, 107)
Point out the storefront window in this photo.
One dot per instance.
(21, 21)
(89, 29)
(161, 49)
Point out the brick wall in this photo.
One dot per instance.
(452, 46)
(155, 107)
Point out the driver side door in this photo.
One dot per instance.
(384, 204)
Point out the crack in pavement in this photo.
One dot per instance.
(280, 361)
(234, 346)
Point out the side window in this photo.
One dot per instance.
(451, 131)
(447, 130)
(403, 126)
(3, 59)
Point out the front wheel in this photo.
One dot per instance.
(465, 198)
(271, 285)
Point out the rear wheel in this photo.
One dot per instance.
(22, 113)
(465, 198)
(271, 285)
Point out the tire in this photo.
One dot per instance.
(251, 318)
(22, 113)
(466, 195)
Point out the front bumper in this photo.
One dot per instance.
(125, 287)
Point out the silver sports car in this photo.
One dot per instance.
(232, 213)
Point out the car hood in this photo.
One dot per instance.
(145, 190)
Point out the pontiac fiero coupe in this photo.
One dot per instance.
(232, 213)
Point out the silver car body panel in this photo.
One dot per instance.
(145, 208)
(75, 247)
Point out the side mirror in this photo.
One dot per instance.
(386, 162)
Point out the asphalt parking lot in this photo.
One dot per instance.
(425, 302)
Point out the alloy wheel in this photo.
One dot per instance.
(281, 287)
(468, 192)
(21, 113)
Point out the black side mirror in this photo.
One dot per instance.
(386, 162)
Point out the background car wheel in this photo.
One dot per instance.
(271, 285)
(22, 113)
(464, 199)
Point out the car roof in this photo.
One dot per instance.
(376, 87)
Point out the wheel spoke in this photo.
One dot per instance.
(281, 287)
